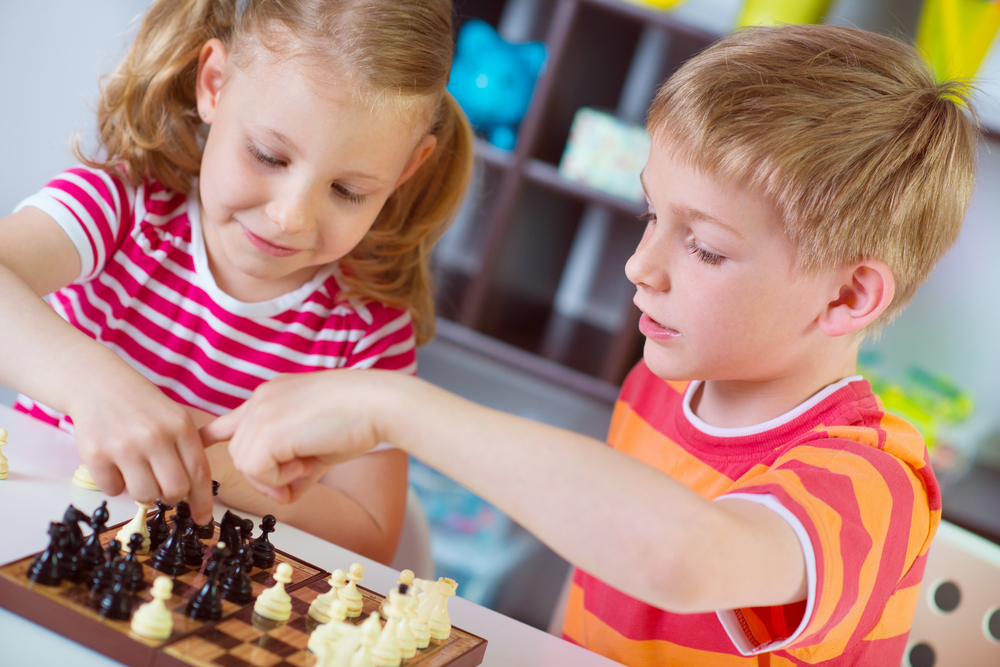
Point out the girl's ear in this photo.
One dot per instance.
(417, 158)
(208, 84)
(866, 290)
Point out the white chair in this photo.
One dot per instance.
(957, 622)
(414, 550)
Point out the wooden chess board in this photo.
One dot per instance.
(240, 638)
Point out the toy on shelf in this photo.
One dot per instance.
(770, 12)
(659, 4)
(606, 153)
(493, 79)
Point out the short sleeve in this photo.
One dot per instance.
(389, 342)
(864, 520)
(93, 207)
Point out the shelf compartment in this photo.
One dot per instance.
(547, 175)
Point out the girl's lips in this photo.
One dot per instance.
(266, 246)
(650, 328)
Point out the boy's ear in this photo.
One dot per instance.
(866, 289)
(208, 84)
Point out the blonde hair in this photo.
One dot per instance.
(845, 131)
(401, 50)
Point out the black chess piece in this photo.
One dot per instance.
(235, 584)
(159, 529)
(207, 531)
(192, 548)
(69, 558)
(102, 577)
(132, 569)
(74, 535)
(45, 568)
(263, 550)
(169, 558)
(116, 603)
(206, 605)
(91, 553)
(227, 528)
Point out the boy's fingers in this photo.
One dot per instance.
(222, 427)
(279, 495)
(195, 462)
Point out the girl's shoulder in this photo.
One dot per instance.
(349, 310)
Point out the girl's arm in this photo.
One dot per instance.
(639, 530)
(129, 434)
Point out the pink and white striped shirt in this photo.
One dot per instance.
(146, 292)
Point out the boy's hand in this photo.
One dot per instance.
(132, 436)
(295, 427)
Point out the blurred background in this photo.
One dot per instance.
(536, 312)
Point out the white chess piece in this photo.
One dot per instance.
(370, 629)
(324, 636)
(387, 652)
(342, 650)
(136, 525)
(153, 619)
(84, 479)
(274, 603)
(319, 609)
(425, 593)
(440, 622)
(404, 603)
(4, 468)
(349, 594)
(405, 577)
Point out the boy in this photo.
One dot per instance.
(803, 181)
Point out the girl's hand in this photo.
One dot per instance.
(133, 437)
(295, 427)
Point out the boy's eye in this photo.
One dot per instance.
(349, 195)
(647, 217)
(704, 255)
(264, 158)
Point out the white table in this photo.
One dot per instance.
(42, 460)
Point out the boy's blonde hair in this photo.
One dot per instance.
(394, 51)
(846, 131)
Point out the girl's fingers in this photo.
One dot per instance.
(140, 481)
(106, 475)
(199, 474)
(222, 427)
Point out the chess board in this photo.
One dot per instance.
(239, 639)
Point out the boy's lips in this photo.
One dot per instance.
(650, 328)
(266, 246)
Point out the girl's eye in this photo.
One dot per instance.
(352, 197)
(264, 158)
(704, 255)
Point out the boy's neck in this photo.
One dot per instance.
(741, 403)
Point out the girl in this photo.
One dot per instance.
(272, 179)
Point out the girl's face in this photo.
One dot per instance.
(293, 174)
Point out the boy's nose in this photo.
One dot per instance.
(648, 265)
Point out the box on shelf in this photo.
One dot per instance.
(606, 153)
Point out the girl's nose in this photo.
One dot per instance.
(292, 210)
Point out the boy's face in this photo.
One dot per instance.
(716, 282)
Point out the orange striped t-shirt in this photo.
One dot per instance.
(853, 482)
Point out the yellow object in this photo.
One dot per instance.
(83, 479)
(954, 35)
(661, 4)
(770, 12)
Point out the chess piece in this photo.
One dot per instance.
(192, 548)
(68, 553)
(405, 605)
(91, 553)
(159, 529)
(325, 635)
(84, 479)
(370, 630)
(319, 610)
(45, 568)
(274, 603)
(206, 605)
(405, 577)
(137, 526)
(116, 603)
(169, 559)
(153, 619)
(340, 652)
(207, 531)
(132, 569)
(4, 468)
(440, 622)
(387, 652)
(263, 550)
(227, 528)
(74, 536)
(349, 594)
(103, 576)
(236, 585)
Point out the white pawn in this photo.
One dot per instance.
(405, 577)
(403, 603)
(425, 593)
(440, 622)
(369, 637)
(136, 525)
(319, 610)
(4, 469)
(324, 636)
(349, 594)
(274, 603)
(84, 479)
(387, 652)
(153, 619)
(343, 649)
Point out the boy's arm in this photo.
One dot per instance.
(640, 531)
(127, 431)
(359, 505)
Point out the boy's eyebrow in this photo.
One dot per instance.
(693, 213)
(283, 138)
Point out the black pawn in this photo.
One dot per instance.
(132, 568)
(206, 605)
(91, 553)
(236, 585)
(69, 557)
(102, 577)
(159, 529)
(192, 548)
(116, 603)
(263, 550)
(45, 568)
(169, 558)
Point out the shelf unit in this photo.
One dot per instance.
(536, 260)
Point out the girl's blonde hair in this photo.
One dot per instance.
(394, 50)
(865, 155)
